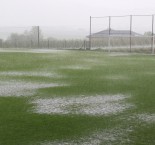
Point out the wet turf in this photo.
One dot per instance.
(86, 73)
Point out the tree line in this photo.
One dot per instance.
(34, 39)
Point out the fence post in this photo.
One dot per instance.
(1, 43)
(48, 43)
(65, 44)
(84, 44)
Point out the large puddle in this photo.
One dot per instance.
(146, 118)
(105, 137)
(92, 105)
(32, 50)
(21, 88)
(28, 73)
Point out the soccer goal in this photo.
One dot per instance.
(128, 33)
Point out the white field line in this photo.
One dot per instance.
(93, 105)
(16, 88)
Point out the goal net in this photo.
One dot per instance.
(131, 33)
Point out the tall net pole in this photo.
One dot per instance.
(130, 32)
(38, 37)
(109, 33)
(152, 34)
(90, 35)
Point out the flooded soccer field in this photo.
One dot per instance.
(65, 97)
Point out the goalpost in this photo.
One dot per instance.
(128, 33)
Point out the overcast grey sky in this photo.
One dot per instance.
(67, 13)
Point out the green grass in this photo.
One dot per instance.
(132, 75)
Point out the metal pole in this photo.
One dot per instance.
(84, 44)
(153, 44)
(1, 41)
(38, 37)
(48, 43)
(152, 34)
(31, 44)
(109, 33)
(65, 44)
(109, 24)
(90, 35)
(130, 32)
